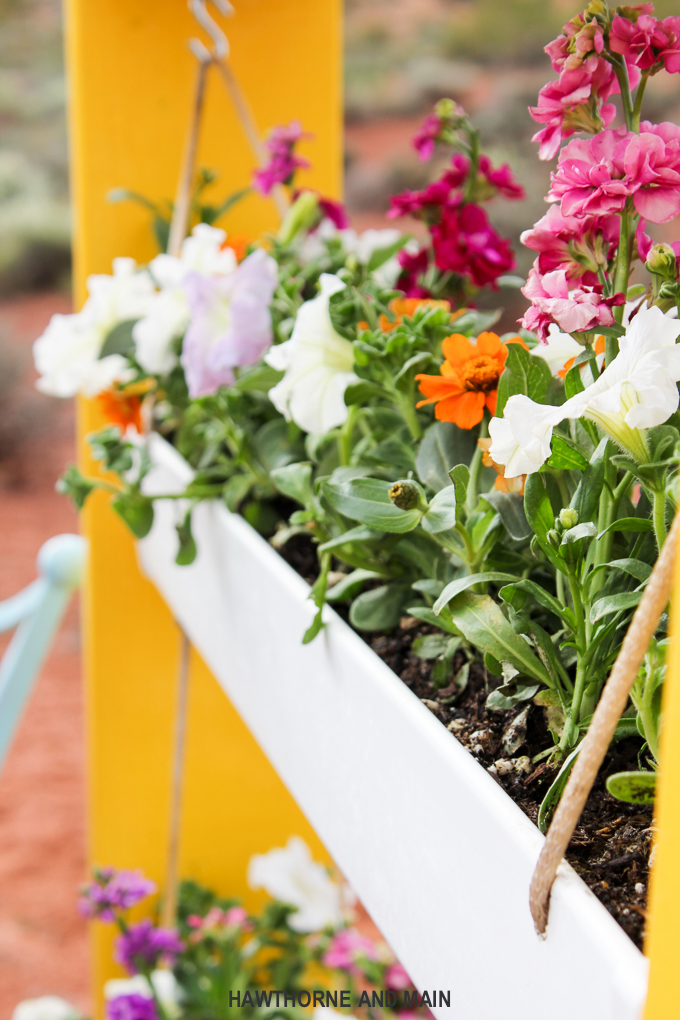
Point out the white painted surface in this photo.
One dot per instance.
(437, 852)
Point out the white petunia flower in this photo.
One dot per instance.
(164, 982)
(67, 355)
(48, 1007)
(169, 313)
(290, 875)
(637, 391)
(558, 350)
(318, 365)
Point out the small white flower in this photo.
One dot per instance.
(290, 875)
(48, 1007)
(637, 391)
(318, 365)
(168, 315)
(558, 350)
(164, 982)
(67, 354)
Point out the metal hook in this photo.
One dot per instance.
(220, 48)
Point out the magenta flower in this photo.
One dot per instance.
(283, 163)
(397, 978)
(570, 104)
(465, 242)
(230, 322)
(113, 890)
(131, 1007)
(413, 266)
(651, 164)
(347, 949)
(335, 212)
(572, 310)
(142, 947)
(571, 243)
(501, 178)
(427, 203)
(424, 141)
(647, 41)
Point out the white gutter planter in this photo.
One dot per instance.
(435, 849)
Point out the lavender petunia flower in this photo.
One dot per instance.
(142, 947)
(230, 323)
(113, 890)
(131, 1007)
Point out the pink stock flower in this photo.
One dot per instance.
(348, 948)
(425, 139)
(576, 244)
(413, 266)
(595, 176)
(397, 978)
(647, 41)
(425, 204)
(230, 322)
(283, 163)
(465, 242)
(572, 310)
(570, 104)
(501, 178)
(335, 212)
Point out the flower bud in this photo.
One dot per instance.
(302, 214)
(407, 496)
(669, 291)
(554, 538)
(569, 517)
(661, 261)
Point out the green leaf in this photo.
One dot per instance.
(537, 507)
(351, 585)
(579, 532)
(119, 339)
(236, 489)
(553, 795)
(358, 534)
(378, 609)
(587, 496)
(272, 445)
(523, 373)
(382, 255)
(614, 604)
(295, 481)
(633, 787)
(460, 476)
(73, 484)
(463, 583)
(108, 446)
(257, 379)
(565, 455)
(443, 621)
(508, 695)
(366, 500)
(441, 515)
(318, 596)
(639, 524)
(573, 383)
(540, 595)
(482, 623)
(361, 392)
(430, 646)
(510, 507)
(443, 447)
(186, 553)
(136, 510)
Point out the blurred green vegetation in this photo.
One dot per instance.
(34, 211)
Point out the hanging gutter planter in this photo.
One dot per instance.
(438, 853)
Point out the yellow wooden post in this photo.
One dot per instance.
(130, 78)
(663, 929)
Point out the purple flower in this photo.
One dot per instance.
(113, 890)
(142, 947)
(230, 322)
(131, 1007)
(465, 242)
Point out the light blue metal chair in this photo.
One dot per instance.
(36, 612)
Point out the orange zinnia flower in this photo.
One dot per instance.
(238, 244)
(599, 349)
(124, 406)
(409, 306)
(469, 378)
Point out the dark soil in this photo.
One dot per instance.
(611, 846)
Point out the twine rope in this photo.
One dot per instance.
(168, 914)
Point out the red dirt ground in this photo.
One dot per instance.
(43, 941)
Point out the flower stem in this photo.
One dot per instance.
(346, 434)
(621, 69)
(476, 469)
(620, 280)
(637, 109)
(659, 517)
(405, 404)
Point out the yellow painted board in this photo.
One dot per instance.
(663, 930)
(130, 76)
